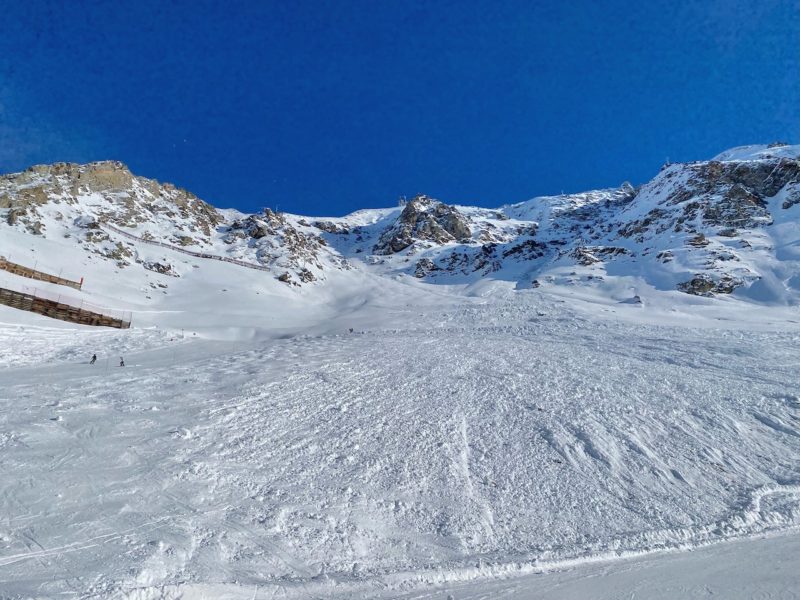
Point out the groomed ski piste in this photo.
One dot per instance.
(465, 443)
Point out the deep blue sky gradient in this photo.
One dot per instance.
(323, 107)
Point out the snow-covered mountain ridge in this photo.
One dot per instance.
(67, 200)
(728, 225)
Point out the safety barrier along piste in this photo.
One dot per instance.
(64, 308)
(33, 273)
(234, 261)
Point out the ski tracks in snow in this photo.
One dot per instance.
(357, 458)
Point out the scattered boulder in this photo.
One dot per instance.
(160, 268)
(698, 241)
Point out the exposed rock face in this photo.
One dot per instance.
(527, 250)
(283, 243)
(329, 227)
(705, 285)
(128, 200)
(99, 177)
(90, 200)
(590, 255)
(253, 226)
(728, 195)
(424, 219)
(424, 268)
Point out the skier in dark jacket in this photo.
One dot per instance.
(121, 362)
(94, 359)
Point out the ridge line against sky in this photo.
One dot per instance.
(325, 107)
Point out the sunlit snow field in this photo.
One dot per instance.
(496, 436)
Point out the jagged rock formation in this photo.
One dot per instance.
(705, 214)
(424, 219)
(724, 195)
(280, 242)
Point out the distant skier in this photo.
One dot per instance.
(121, 362)
(94, 359)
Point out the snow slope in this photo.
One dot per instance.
(489, 437)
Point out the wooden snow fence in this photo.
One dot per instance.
(63, 308)
(30, 273)
(234, 261)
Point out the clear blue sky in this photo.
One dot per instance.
(322, 107)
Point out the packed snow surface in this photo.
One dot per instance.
(449, 438)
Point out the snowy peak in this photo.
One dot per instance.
(573, 207)
(725, 196)
(712, 222)
(106, 191)
(45, 196)
(424, 220)
(112, 213)
(760, 152)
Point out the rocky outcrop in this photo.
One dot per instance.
(101, 203)
(424, 219)
(281, 242)
(250, 227)
(590, 255)
(728, 195)
(160, 268)
(705, 285)
(330, 227)
(526, 250)
(424, 268)
(128, 200)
